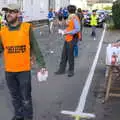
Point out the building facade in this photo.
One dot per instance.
(36, 9)
(56, 4)
(99, 1)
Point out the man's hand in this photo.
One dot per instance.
(33, 59)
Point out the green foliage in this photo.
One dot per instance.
(116, 14)
(107, 8)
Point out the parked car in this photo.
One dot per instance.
(101, 17)
(87, 19)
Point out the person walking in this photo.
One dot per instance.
(0, 20)
(94, 23)
(80, 16)
(72, 34)
(65, 15)
(19, 44)
(50, 19)
(60, 16)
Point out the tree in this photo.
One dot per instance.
(107, 8)
(116, 13)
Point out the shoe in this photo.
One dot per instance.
(59, 72)
(15, 118)
(70, 73)
(28, 119)
(94, 38)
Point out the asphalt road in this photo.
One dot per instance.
(60, 92)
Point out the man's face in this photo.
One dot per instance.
(94, 13)
(12, 16)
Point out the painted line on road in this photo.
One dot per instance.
(86, 88)
(83, 97)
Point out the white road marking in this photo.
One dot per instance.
(83, 97)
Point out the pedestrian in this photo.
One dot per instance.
(20, 17)
(60, 16)
(65, 14)
(80, 16)
(50, 19)
(0, 20)
(94, 23)
(72, 34)
(18, 43)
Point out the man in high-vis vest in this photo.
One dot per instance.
(72, 35)
(94, 23)
(18, 44)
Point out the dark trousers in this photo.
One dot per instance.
(76, 50)
(67, 55)
(19, 85)
(93, 31)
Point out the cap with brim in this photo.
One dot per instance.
(11, 7)
(94, 11)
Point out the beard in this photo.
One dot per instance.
(12, 21)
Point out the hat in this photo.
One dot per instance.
(12, 7)
(93, 10)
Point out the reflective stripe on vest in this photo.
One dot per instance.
(70, 27)
(16, 48)
(93, 20)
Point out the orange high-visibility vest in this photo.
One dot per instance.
(16, 48)
(70, 27)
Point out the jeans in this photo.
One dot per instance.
(19, 85)
(76, 49)
(93, 31)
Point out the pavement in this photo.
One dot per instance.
(63, 93)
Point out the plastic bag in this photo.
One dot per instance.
(110, 51)
(61, 31)
(42, 76)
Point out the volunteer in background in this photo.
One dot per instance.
(60, 16)
(94, 23)
(80, 16)
(0, 20)
(72, 34)
(65, 15)
(50, 19)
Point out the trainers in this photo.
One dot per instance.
(28, 118)
(94, 38)
(70, 73)
(59, 72)
(15, 118)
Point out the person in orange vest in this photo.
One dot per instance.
(18, 43)
(72, 35)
